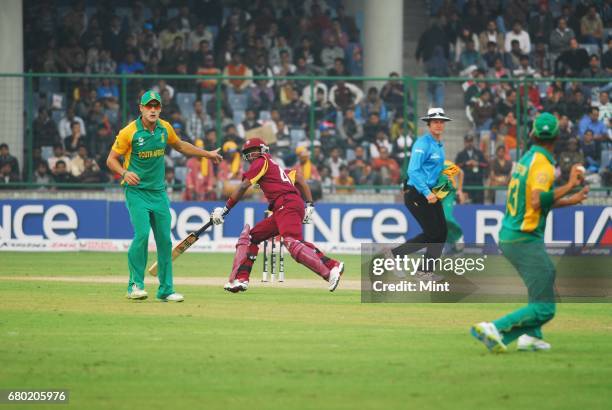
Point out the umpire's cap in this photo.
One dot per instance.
(435, 114)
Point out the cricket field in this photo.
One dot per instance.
(65, 324)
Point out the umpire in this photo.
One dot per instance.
(425, 179)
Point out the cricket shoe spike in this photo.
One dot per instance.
(136, 293)
(334, 276)
(528, 343)
(173, 297)
(488, 334)
(236, 286)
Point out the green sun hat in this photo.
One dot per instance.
(149, 96)
(546, 126)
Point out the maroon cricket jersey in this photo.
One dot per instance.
(272, 180)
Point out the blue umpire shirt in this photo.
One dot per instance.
(426, 163)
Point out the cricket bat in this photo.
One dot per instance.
(183, 245)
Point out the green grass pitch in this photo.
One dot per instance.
(273, 348)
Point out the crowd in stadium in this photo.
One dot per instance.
(360, 133)
(526, 40)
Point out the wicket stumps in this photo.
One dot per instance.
(272, 274)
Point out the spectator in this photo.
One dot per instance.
(276, 53)
(519, 34)
(75, 139)
(336, 32)
(285, 67)
(41, 174)
(513, 58)
(262, 96)
(92, 173)
(308, 52)
(7, 158)
(231, 166)
(572, 61)
(65, 124)
(380, 141)
(524, 70)
(195, 37)
(469, 58)
(539, 58)
(593, 70)
(58, 155)
(556, 102)
(604, 105)
(322, 108)
(168, 35)
(491, 35)
(577, 106)
(372, 127)
(334, 162)
(483, 112)
(568, 158)
(507, 131)
(372, 103)
(465, 35)
(591, 152)
(7, 174)
(541, 23)
(197, 122)
(591, 122)
(499, 69)
(261, 68)
(331, 52)
(358, 163)
(130, 65)
(491, 54)
(237, 68)
(387, 168)
(566, 132)
(351, 131)
(170, 180)
(344, 95)
(606, 61)
(339, 69)
(208, 69)
(559, 39)
(345, 184)
(319, 86)
(392, 93)
(44, 129)
(200, 180)
(198, 56)
(500, 170)
(77, 164)
(61, 172)
(305, 166)
(296, 112)
(85, 104)
(175, 54)
(473, 163)
(429, 39)
(436, 66)
(355, 62)
(591, 27)
(100, 129)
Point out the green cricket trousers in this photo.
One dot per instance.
(454, 229)
(538, 274)
(150, 210)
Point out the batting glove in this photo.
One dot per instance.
(218, 214)
(308, 213)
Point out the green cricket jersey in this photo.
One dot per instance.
(534, 171)
(143, 152)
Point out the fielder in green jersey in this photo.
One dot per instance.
(142, 144)
(530, 197)
(455, 175)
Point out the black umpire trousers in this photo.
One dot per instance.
(432, 221)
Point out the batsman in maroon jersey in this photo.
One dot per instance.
(288, 216)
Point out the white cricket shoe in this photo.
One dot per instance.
(136, 293)
(236, 286)
(528, 343)
(427, 276)
(173, 297)
(488, 334)
(334, 276)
